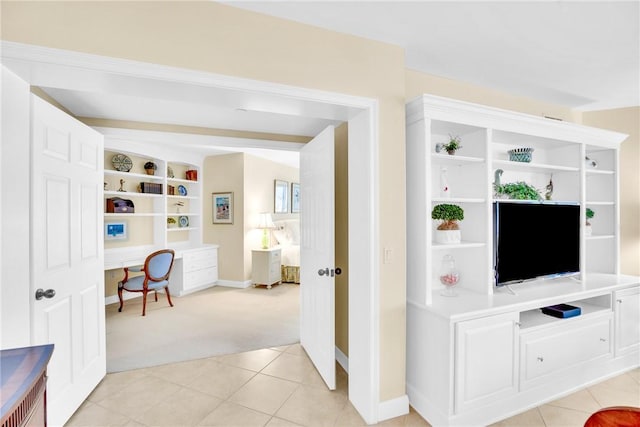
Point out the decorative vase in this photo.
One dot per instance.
(448, 237)
(449, 276)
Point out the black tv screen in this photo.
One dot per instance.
(535, 240)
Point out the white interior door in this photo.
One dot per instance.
(67, 255)
(317, 291)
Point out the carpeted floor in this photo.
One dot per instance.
(208, 323)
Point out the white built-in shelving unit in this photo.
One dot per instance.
(488, 353)
(148, 228)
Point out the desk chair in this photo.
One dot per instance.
(157, 268)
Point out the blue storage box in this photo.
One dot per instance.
(562, 310)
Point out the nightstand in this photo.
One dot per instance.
(265, 267)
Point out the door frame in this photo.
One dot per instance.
(362, 116)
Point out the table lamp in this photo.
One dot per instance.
(265, 223)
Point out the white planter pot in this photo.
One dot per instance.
(448, 236)
(587, 230)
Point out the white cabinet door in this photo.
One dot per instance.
(627, 308)
(561, 348)
(485, 360)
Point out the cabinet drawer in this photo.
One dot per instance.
(200, 277)
(197, 260)
(562, 348)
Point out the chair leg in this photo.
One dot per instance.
(144, 301)
(166, 289)
(120, 298)
(155, 294)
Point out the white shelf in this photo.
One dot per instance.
(601, 237)
(131, 194)
(134, 175)
(182, 229)
(457, 200)
(135, 214)
(594, 172)
(532, 167)
(454, 160)
(181, 181)
(177, 196)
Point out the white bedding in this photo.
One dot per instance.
(287, 233)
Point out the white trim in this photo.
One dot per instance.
(234, 283)
(364, 388)
(393, 408)
(113, 299)
(342, 359)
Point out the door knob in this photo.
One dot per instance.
(41, 293)
(327, 272)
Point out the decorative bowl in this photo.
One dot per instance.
(520, 154)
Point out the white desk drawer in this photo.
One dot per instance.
(200, 277)
(200, 259)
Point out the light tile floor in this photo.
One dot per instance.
(279, 387)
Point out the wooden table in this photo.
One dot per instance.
(23, 386)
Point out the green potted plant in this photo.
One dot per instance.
(589, 214)
(452, 145)
(150, 168)
(517, 190)
(448, 231)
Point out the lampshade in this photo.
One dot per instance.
(265, 221)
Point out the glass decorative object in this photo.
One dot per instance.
(449, 276)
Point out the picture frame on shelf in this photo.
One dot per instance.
(223, 208)
(295, 197)
(116, 230)
(281, 196)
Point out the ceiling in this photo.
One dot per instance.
(581, 55)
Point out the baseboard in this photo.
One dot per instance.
(342, 359)
(125, 296)
(234, 283)
(393, 408)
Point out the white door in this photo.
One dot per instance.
(317, 292)
(67, 255)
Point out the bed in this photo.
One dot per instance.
(287, 233)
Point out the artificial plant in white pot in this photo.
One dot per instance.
(449, 230)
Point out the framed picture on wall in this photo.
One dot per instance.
(281, 197)
(223, 208)
(295, 197)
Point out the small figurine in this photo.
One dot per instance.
(549, 188)
(121, 185)
(445, 191)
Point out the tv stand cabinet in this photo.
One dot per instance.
(488, 353)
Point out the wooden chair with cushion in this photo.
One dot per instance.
(157, 269)
(615, 416)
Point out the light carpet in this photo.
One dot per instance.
(211, 322)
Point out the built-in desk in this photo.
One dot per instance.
(23, 380)
(194, 268)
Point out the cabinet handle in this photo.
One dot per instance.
(603, 339)
(619, 301)
(540, 359)
(518, 324)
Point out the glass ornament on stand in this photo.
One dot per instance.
(449, 276)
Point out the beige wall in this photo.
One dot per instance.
(625, 120)
(223, 174)
(419, 83)
(342, 238)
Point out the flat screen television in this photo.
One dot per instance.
(535, 240)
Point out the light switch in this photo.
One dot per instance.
(388, 256)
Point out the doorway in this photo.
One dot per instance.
(50, 68)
